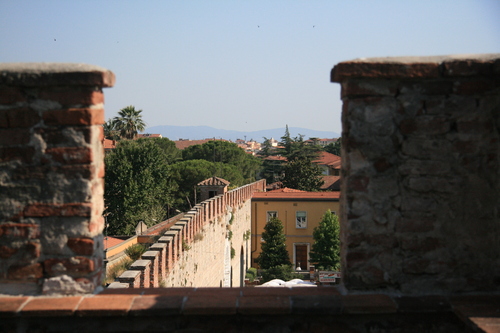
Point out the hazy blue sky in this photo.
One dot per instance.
(242, 65)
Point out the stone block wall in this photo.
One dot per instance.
(51, 177)
(198, 248)
(421, 174)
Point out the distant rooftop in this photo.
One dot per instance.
(184, 143)
(294, 196)
(214, 181)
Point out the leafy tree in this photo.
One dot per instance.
(302, 174)
(138, 186)
(110, 130)
(287, 143)
(334, 147)
(129, 122)
(274, 252)
(172, 153)
(272, 170)
(189, 173)
(325, 251)
(266, 148)
(225, 152)
(302, 150)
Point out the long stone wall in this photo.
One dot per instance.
(206, 248)
(421, 174)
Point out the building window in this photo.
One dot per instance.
(271, 214)
(301, 256)
(301, 219)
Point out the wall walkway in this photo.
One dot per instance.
(205, 248)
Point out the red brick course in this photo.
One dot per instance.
(68, 96)
(25, 272)
(70, 209)
(75, 266)
(74, 116)
(82, 246)
(14, 136)
(21, 230)
(71, 155)
(18, 117)
(11, 95)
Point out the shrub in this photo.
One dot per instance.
(116, 270)
(135, 251)
(185, 246)
(282, 272)
(251, 274)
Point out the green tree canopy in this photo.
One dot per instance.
(172, 153)
(325, 251)
(129, 122)
(266, 148)
(225, 152)
(334, 147)
(302, 174)
(274, 252)
(189, 173)
(138, 186)
(111, 131)
(287, 143)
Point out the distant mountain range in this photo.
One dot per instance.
(204, 132)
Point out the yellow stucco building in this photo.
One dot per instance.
(299, 211)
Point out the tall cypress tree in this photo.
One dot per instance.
(325, 251)
(274, 252)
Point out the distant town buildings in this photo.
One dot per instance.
(184, 143)
(251, 147)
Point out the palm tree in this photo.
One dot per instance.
(110, 130)
(129, 122)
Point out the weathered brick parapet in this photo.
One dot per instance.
(51, 183)
(248, 310)
(421, 173)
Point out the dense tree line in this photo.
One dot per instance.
(138, 186)
(149, 179)
(297, 169)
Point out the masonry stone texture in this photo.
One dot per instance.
(419, 212)
(421, 174)
(51, 175)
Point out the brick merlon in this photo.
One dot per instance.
(54, 74)
(418, 67)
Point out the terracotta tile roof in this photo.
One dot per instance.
(183, 144)
(275, 158)
(287, 190)
(331, 183)
(109, 144)
(287, 196)
(214, 181)
(147, 135)
(111, 241)
(329, 159)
